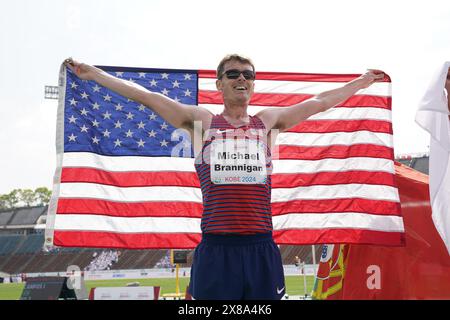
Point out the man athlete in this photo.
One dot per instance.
(237, 258)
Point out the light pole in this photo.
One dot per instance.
(51, 92)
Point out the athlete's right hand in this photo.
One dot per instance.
(82, 70)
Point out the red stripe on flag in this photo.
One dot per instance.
(285, 100)
(332, 178)
(130, 179)
(378, 207)
(326, 236)
(130, 209)
(90, 239)
(291, 76)
(332, 152)
(325, 126)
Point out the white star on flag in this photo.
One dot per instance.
(72, 119)
(175, 135)
(73, 102)
(129, 134)
(141, 143)
(141, 125)
(117, 143)
(106, 133)
(118, 124)
(106, 115)
(72, 137)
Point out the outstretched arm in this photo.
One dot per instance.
(285, 118)
(177, 114)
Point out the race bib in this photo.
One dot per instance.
(238, 161)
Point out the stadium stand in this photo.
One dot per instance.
(21, 248)
(418, 162)
(25, 218)
(22, 239)
(305, 253)
(9, 244)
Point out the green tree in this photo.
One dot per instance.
(27, 197)
(4, 202)
(43, 196)
(13, 199)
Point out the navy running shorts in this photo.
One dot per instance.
(237, 267)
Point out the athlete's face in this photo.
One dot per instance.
(238, 90)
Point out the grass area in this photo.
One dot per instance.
(11, 291)
(294, 285)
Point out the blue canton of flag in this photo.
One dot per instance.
(101, 121)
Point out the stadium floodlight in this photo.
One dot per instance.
(51, 92)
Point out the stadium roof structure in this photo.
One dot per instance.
(22, 218)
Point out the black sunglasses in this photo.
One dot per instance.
(235, 73)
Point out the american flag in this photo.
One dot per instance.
(117, 186)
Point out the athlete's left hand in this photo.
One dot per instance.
(372, 76)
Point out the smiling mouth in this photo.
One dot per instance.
(240, 88)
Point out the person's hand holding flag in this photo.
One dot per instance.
(371, 76)
(82, 70)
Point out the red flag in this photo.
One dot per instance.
(420, 270)
(331, 273)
